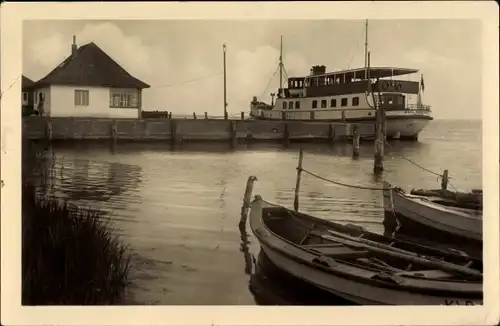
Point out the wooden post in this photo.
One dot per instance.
(49, 129)
(173, 131)
(206, 115)
(331, 133)
(286, 134)
(355, 141)
(444, 180)
(113, 130)
(225, 89)
(194, 115)
(297, 184)
(378, 165)
(246, 202)
(242, 115)
(232, 130)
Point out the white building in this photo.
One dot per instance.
(89, 83)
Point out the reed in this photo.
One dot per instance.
(70, 255)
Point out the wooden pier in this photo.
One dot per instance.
(191, 130)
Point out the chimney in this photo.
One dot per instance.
(73, 46)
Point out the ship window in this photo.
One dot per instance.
(297, 105)
(333, 103)
(315, 104)
(284, 105)
(323, 104)
(343, 102)
(355, 101)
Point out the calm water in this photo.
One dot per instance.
(179, 209)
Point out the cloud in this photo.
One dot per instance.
(127, 50)
(182, 61)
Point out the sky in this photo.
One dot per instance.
(182, 60)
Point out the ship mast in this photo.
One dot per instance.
(366, 48)
(281, 66)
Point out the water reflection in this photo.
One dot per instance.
(78, 179)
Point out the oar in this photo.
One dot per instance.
(401, 254)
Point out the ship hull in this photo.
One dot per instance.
(398, 127)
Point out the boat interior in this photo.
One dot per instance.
(323, 238)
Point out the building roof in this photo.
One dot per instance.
(90, 66)
(26, 83)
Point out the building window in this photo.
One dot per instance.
(333, 103)
(323, 104)
(25, 96)
(297, 105)
(129, 99)
(343, 102)
(290, 105)
(284, 105)
(81, 97)
(315, 104)
(355, 101)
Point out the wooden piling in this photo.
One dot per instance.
(355, 141)
(49, 129)
(378, 165)
(242, 115)
(173, 131)
(444, 180)
(206, 115)
(234, 139)
(331, 133)
(247, 197)
(286, 134)
(113, 130)
(297, 184)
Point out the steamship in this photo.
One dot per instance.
(351, 96)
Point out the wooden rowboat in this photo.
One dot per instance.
(435, 216)
(364, 267)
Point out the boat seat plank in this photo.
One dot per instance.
(340, 252)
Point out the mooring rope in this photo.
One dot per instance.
(416, 164)
(439, 175)
(340, 183)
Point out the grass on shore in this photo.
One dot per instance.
(69, 255)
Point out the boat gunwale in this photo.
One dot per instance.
(442, 208)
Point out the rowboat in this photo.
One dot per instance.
(270, 285)
(438, 217)
(363, 267)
